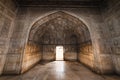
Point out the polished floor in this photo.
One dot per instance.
(60, 70)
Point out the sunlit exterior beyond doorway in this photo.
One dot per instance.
(59, 52)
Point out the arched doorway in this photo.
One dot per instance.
(59, 28)
(59, 53)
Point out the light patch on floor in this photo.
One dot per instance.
(60, 70)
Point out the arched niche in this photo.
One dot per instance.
(59, 28)
(75, 29)
(90, 45)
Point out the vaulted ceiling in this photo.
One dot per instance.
(60, 3)
(59, 28)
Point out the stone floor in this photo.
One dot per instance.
(60, 70)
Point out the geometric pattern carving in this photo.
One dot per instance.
(5, 28)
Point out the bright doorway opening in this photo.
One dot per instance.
(59, 52)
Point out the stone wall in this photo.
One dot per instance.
(7, 17)
(86, 55)
(32, 55)
(70, 52)
(91, 17)
(58, 30)
(49, 52)
(111, 16)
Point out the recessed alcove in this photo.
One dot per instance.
(57, 39)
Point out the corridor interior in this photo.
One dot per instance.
(59, 39)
